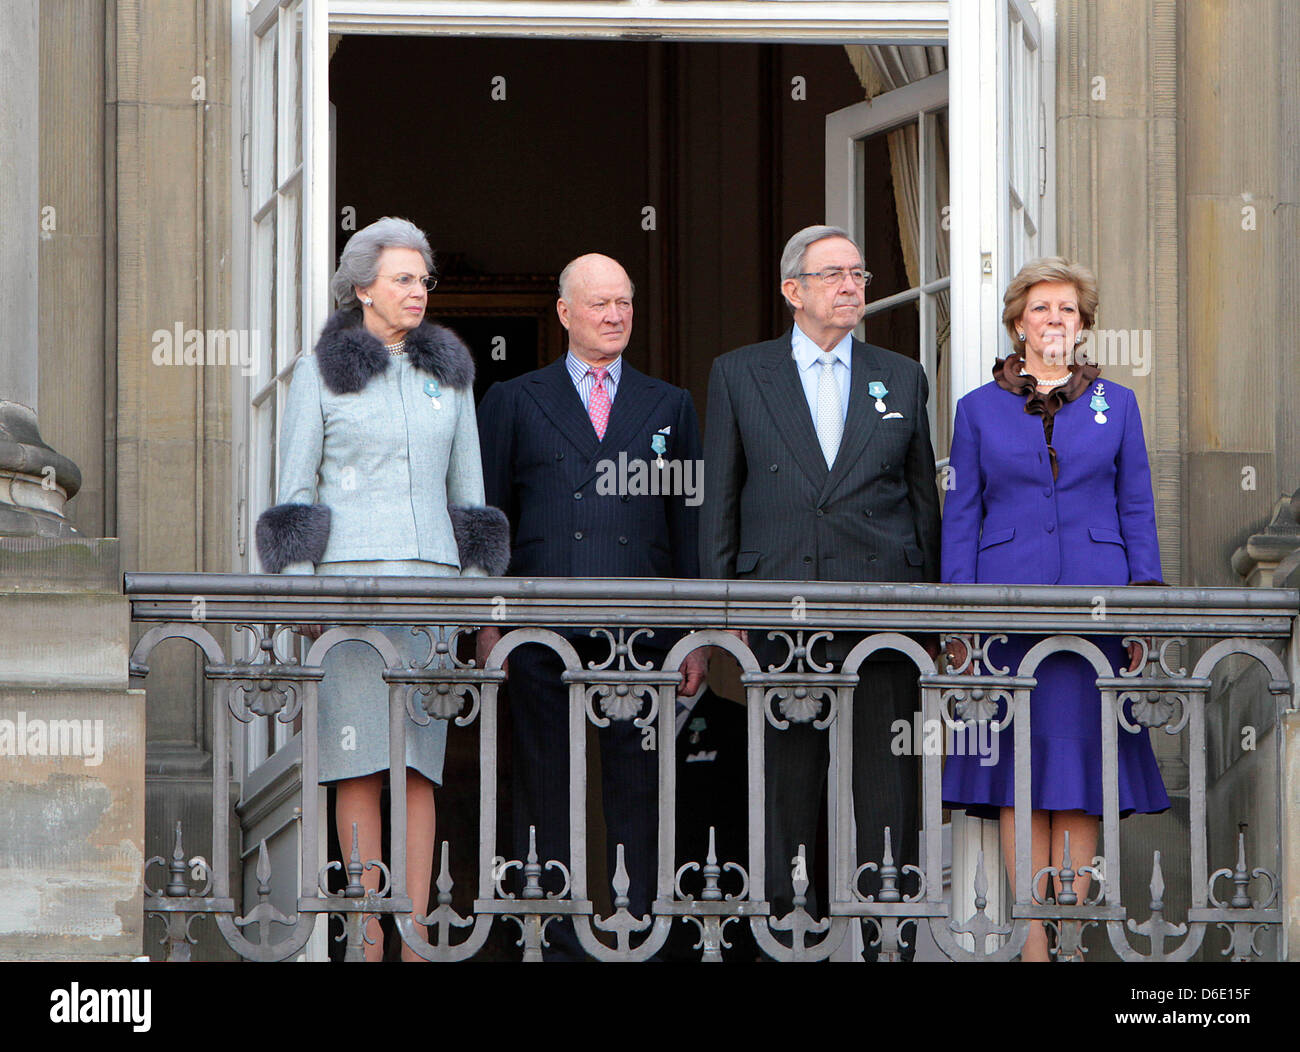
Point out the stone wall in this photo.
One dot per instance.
(71, 756)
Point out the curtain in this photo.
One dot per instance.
(882, 68)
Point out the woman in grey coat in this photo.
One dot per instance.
(380, 474)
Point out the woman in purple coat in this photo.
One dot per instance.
(1050, 485)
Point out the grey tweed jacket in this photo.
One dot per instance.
(379, 457)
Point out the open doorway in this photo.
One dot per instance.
(691, 163)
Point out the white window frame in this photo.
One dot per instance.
(981, 260)
(917, 103)
(979, 74)
(992, 167)
(808, 21)
(282, 193)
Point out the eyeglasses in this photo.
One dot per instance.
(405, 281)
(834, 275)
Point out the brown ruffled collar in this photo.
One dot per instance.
(1043, 403)
(1007, 373)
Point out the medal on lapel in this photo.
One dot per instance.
(877, 390)
(433, 390)
(659, 444)
(695, 727)
(1098, 404)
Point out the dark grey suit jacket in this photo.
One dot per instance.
(773, 510)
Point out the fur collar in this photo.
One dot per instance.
(348, 355)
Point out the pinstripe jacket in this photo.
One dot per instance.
(545, 468)
(379, 457)
(543, 465)
(774, 511)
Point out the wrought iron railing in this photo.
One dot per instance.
(1208, 624)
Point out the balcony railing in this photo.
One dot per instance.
(1185, 635)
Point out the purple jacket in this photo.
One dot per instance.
(1007, 521)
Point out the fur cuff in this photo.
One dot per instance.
(482, 538)
(292, 533)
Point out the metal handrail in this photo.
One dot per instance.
(1163, 695)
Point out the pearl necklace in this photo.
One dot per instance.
(396, 348)
(1048, 383)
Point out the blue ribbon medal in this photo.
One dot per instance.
(659, 444)
(1098, 404)
(877, 390)
(433, 390)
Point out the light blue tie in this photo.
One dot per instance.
(830, 409)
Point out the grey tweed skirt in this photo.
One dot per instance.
(353, 710)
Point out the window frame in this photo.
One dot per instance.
(918, 104)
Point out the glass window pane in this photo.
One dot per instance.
(1013, 100)
(269, 276)
(294, 116)
(265, 94)
(936, 147)
(898, 329)
(290, 238)
(888, 245)
(262, 298)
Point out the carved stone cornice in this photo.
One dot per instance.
(1271, 559)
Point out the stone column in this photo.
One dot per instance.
(72, 728)
(35, 481)
(1252, 787)
(1118, 161)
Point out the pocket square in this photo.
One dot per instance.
(892, 416)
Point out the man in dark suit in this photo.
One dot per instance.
(551, 443)
(712, 794)
(819, 467)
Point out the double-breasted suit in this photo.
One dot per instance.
(774, 510)
(542, 460)
(570, 517)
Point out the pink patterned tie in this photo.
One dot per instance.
(598, 403)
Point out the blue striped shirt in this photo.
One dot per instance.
(584, 381)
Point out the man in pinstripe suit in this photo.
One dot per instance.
(547, 438)
(819, 467)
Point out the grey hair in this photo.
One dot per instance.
(797, 247)
(359, 264)
(567, 273)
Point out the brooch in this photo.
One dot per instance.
(877, 390)
(659, 444)
(433, 390)
(1098, 404)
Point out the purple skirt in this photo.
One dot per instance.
(1065, 739)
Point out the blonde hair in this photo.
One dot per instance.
(1049, 268)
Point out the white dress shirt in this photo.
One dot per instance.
(805, 354)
